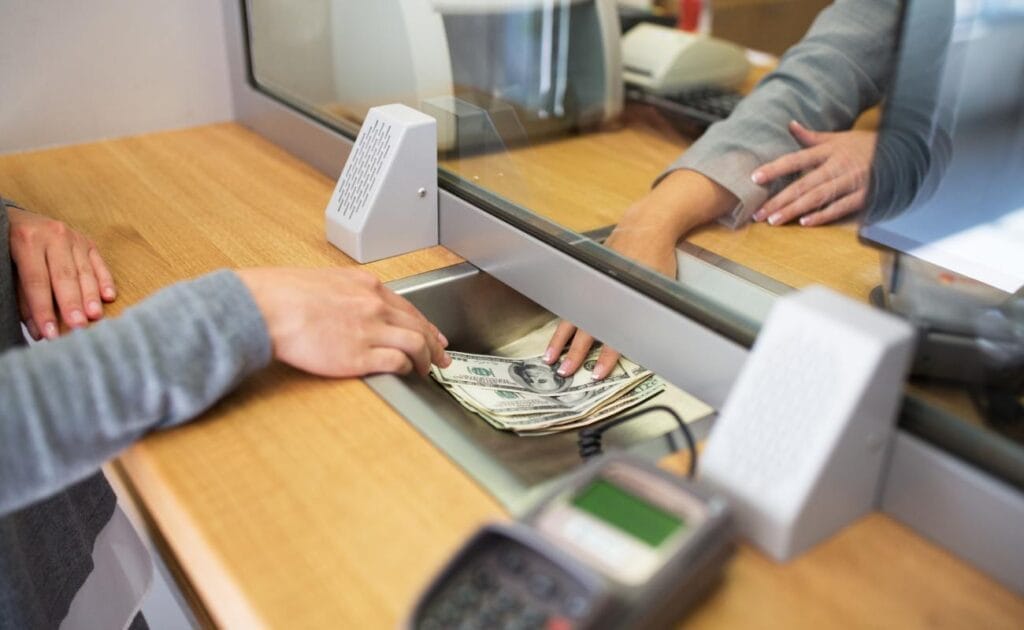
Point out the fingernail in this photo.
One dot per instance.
(757, 177)
(109, 293)
(50, 330)
(759, 215)
(76, 318)
(33, 330)
(774, 219)
(804, 220)
(564, 368)
(599, 372)
(549, 355)
(442, 339)
(446, 359)
(94, 309)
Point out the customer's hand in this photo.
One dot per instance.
(343, 322)
(647, 233)
(56, 264)
(835, 169)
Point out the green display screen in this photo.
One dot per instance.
(624, 511)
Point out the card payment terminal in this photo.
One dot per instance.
(622, 544)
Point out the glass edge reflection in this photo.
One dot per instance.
(980, 447)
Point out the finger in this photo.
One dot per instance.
(26, 314)
(400, 318)
(412, 342)
(563, 333)
(791, 193)
(788, 164)
(573, 359)
(813, 199)
(108, 290)
(805, 136)
(385, 361)
(35, 285)
(87, 283)
(64, 281)
(405, 305)
(836, 210)
(606, 362)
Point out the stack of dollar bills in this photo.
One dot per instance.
(529, 397)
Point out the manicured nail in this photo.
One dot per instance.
(759, 215)
(93, 308)
(50, 330)
(599, 372)
(33, 330)
(774, 219)
(565, 368)
(805, 220)
(76, 318)
(757, 177)
(109, 293)
(442, 339)
(549, 355)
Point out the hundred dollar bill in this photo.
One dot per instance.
(531, 375)
(507, 403)
(568, 415)
(638, 395)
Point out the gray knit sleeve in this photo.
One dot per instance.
(839, 69)
(68, 405)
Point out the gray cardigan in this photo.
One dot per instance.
(838, 70)
(70, 404)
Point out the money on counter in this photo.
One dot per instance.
(529, 397)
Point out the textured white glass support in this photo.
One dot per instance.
(801, 442)
(385, 202)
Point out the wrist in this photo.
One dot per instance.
(255, 282)
(696, 198)
(682, 201)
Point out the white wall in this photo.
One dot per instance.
(74, 71)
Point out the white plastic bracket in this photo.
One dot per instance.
(803, 437)
(385, 202)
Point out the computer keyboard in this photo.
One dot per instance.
(692, 110)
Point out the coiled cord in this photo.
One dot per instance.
(590, 438)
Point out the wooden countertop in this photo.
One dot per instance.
(301, 502)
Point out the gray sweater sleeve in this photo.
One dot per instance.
(70, 404)
(839, 69)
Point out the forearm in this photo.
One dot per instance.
(71, 403)
(682, 201)
(839, 69)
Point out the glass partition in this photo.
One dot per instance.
(559, 116)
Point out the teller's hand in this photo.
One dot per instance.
(647, 234)
(835, 171)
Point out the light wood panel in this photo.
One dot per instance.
(300, 502)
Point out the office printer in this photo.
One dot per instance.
(515, 68)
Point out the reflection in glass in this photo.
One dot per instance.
(950, 202)
(548, 65)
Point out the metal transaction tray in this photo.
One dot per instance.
(478, 313)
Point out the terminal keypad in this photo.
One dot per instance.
(510, 586)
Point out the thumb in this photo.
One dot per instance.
(805, 136)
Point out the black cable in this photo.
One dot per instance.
(590, 438)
